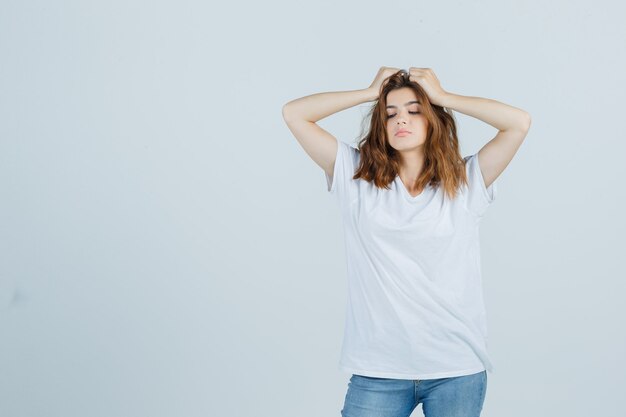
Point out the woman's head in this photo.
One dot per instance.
(406, 125)
(404, 105)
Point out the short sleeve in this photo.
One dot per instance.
(478, 197)
(341, 183)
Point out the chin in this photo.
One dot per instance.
(407, 146)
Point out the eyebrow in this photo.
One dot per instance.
(406, 104)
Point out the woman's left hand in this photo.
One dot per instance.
(427, 79)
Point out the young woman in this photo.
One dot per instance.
(415, 325)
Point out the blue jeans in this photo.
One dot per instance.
(459, 396)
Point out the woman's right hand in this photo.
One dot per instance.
(383, 74)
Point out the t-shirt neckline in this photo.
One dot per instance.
(406, 193)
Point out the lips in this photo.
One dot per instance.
(402, 131)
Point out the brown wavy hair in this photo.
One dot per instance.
(443, 163)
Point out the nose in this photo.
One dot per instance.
(401, 118)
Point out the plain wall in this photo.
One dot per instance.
(168, 248)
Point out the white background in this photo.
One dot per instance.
(168, 248)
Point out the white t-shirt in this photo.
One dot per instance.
(415, 305)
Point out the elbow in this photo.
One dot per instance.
(527, 120)
(520, 124)
(285, 112)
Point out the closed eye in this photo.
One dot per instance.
(389, 116)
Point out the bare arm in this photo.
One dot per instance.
(499, 115)
(512, 124)
(302, 114)
(315, 107)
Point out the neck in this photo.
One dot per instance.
(411, 165)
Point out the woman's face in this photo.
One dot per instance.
(404, 113)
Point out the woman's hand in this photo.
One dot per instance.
(383, 74)
(427, 79)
